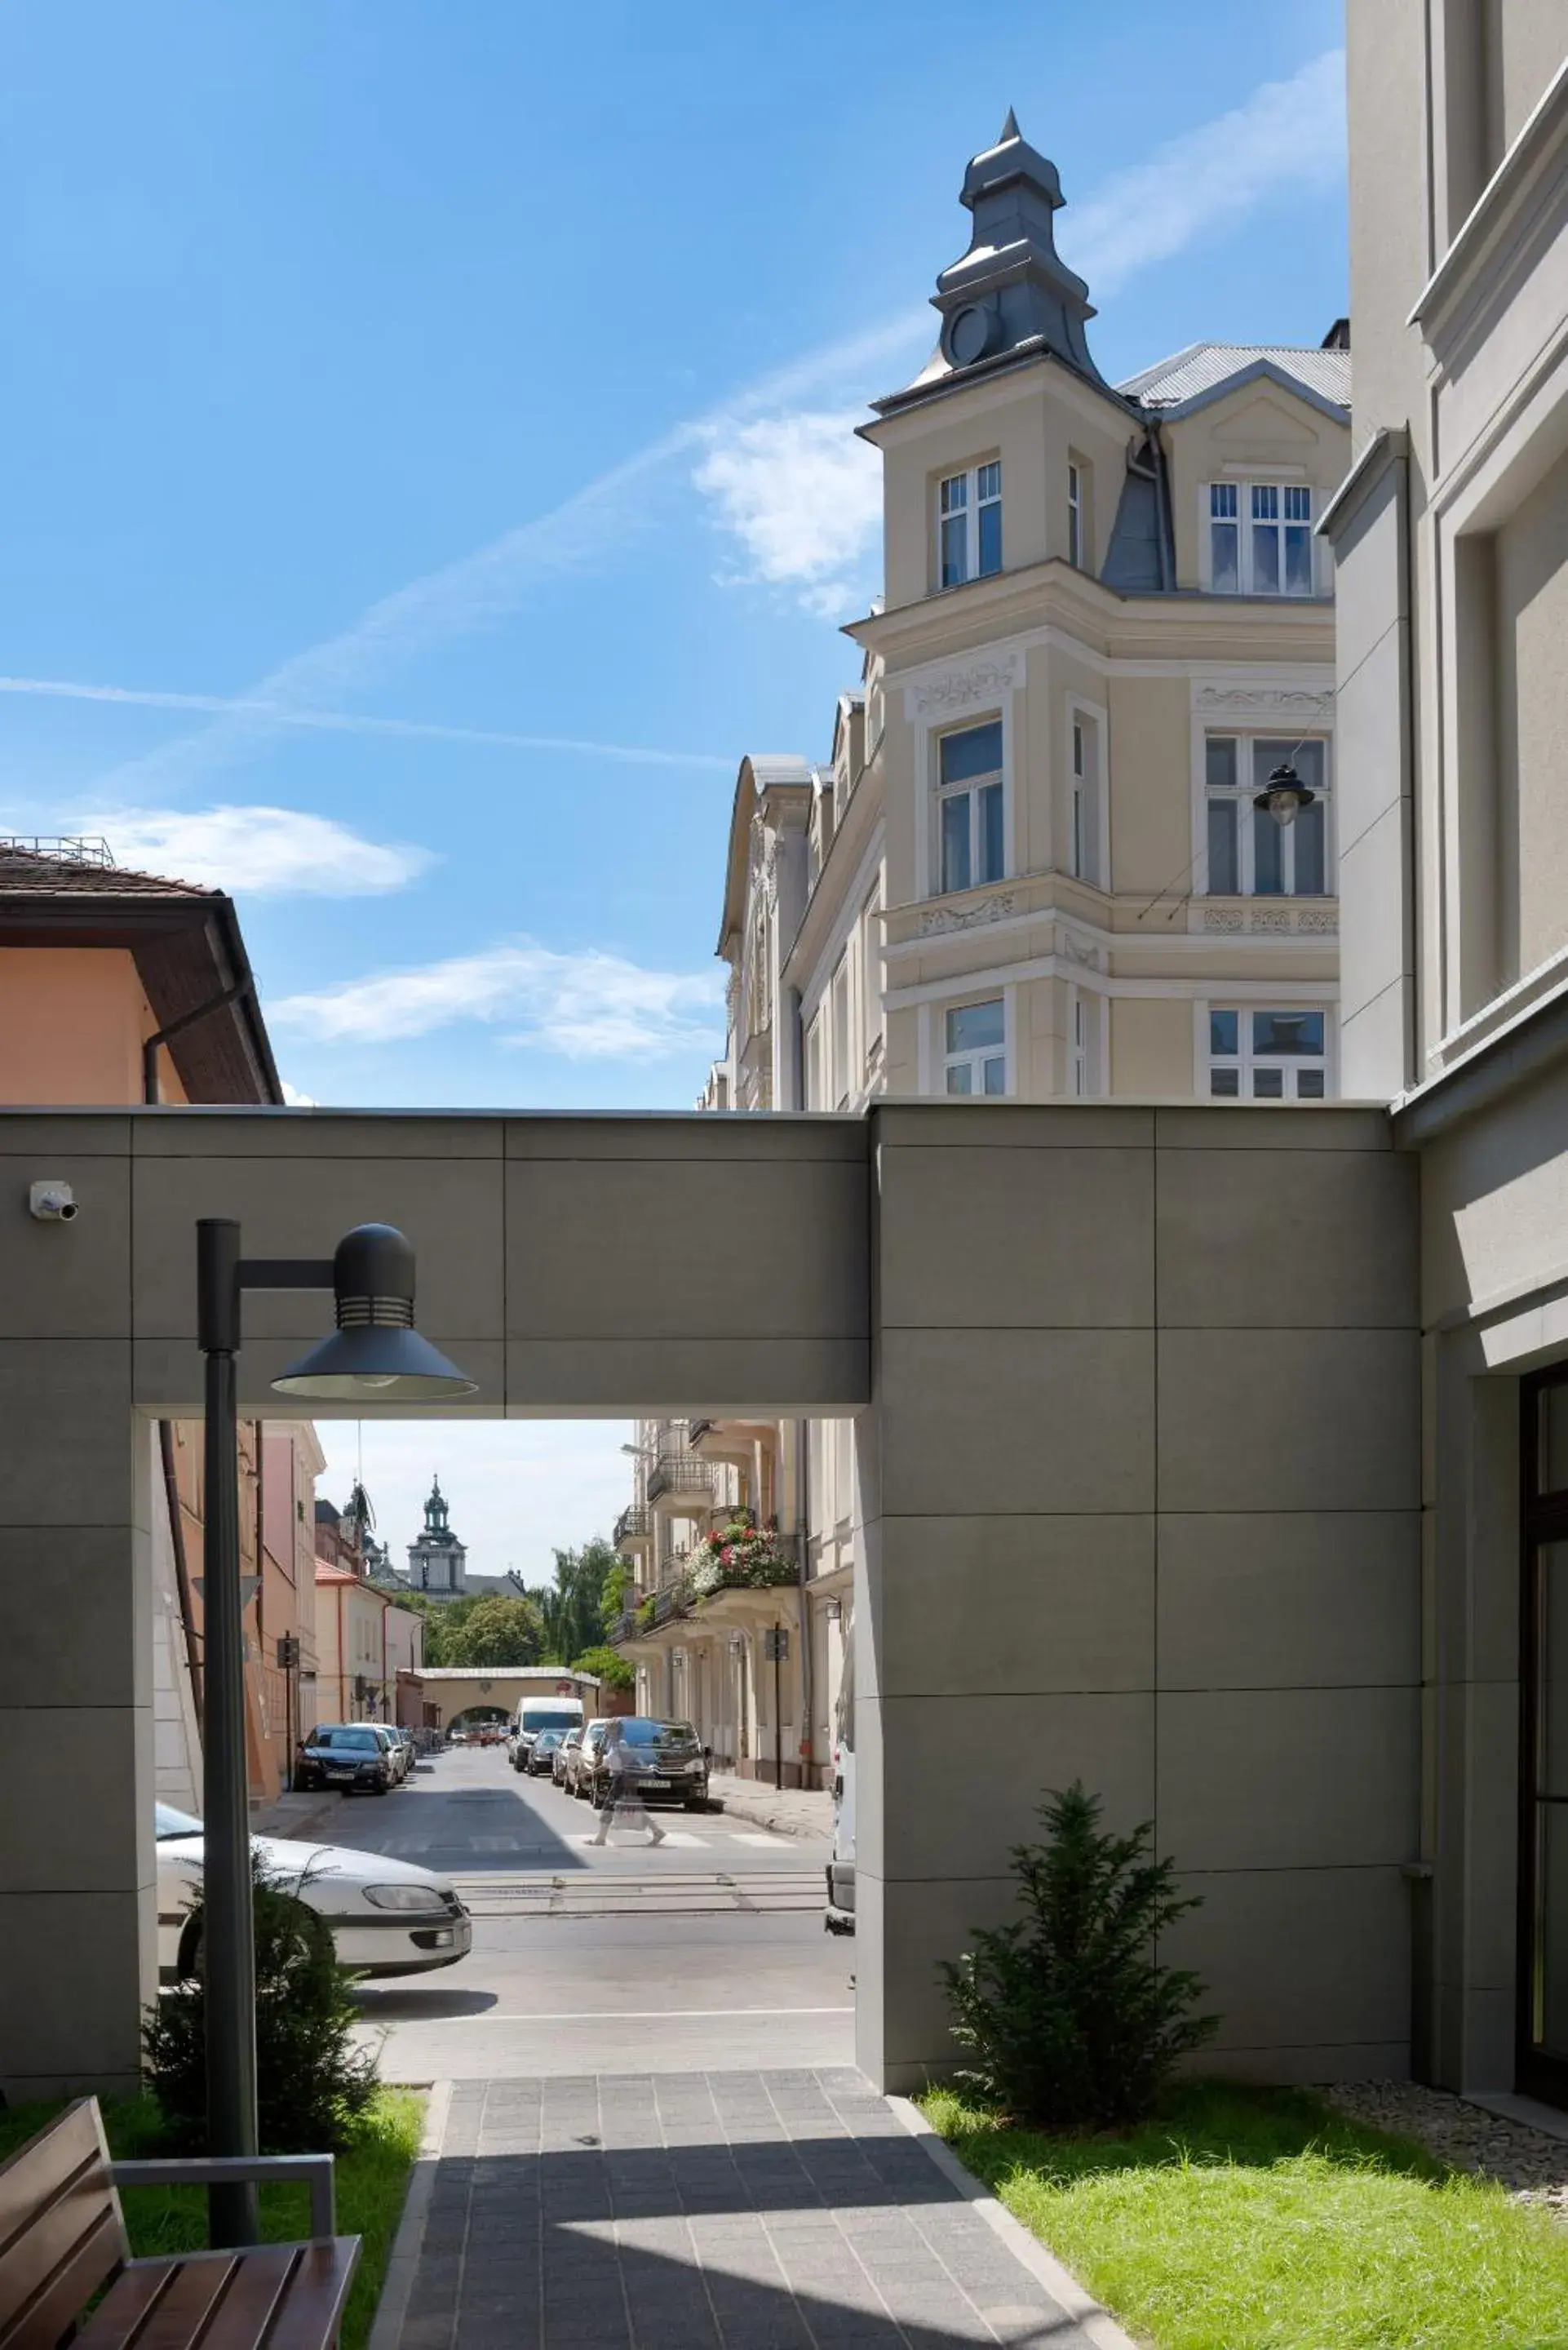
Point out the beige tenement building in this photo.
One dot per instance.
(1034, 864)
(1451, 538)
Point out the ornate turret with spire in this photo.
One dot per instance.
(437, 1560)
(1012, 292)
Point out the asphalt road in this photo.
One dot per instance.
(704, 1953)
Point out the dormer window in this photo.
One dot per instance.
(1260, 538)
(969, 524)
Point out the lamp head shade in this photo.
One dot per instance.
(1285, 796)
(375, 1355)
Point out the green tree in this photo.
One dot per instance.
(572, 1611)
(1070, 2019)
(495, 1631)
(606, 1665)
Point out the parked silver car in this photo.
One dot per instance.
(563, 1758)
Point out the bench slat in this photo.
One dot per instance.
(35, 2173)
(128, 2300)
(54, 2268)
(247, 2309)
(177, 2316)
(313, 2310)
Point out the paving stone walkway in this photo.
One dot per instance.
(776, 2211)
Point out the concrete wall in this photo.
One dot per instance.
(1138, 1456)
(1139, 1504)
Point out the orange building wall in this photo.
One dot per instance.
(73, 1021)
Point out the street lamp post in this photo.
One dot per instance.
(375, 1353)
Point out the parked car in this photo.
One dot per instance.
(657, 1761)
(356, 1756)
(539, 1754)
(584, 1759)
(387, 1917)
(562, 1759)
(403, 1748)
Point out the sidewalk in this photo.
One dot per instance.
(707, 2211)
(789, 1811)
(306, 1818)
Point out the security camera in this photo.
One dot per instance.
(52, 1201)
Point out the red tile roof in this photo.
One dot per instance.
(24, 873)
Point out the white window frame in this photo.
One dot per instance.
(977, 1056)
(841, 1086)
(1087, 1020)
(965, 494)
(1077, 515)
(971, 787)
(1241, 493)
(1246, 1062)
(1241, 794)
(1088, 810)
(871, 1016)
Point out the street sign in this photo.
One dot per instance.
(776, 1645)
(287, 1651)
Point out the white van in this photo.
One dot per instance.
(537, 1713)
(840, 1918)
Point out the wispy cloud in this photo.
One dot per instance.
(349, 721)
(1287, 138)
(480, 588)
(803, 497)
(585, 1006)
(295, 1100)
(263, 851)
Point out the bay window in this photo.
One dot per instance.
(970, 806)
(1249, 855)
(975, 1059)
(969, 524)
(1260, 538)
(1267, 1055)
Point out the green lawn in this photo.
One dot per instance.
(372, 2179)
(1261, 2219)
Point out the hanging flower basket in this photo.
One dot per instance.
(739, 1557)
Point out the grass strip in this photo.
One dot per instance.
(372, 2180)
(1243, 2219)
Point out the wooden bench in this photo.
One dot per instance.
(63, 2240)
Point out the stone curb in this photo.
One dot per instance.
(763, 1812)
(1097, 2325)
(398, 2285)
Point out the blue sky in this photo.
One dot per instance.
(408, 374)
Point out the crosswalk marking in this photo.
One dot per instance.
(607, 1893)
(765, 1838)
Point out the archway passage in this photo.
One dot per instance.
(1056, 1507)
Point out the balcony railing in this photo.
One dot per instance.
(678, 1473)
(633, 1519)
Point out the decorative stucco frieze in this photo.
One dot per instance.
(969, 688)
(1270, 921)
(1267, 701)
(936, 919)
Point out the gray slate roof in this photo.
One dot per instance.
(1205, 367)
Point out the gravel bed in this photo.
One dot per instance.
(1531, 2165)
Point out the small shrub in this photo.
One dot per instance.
(608, 1665)
(1071, 2019)
(314, 2086)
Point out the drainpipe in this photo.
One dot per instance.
(803, 1569)
(181, 1566)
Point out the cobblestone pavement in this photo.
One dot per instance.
(773, 2210)
(1532, 2165)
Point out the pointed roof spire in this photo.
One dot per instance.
(1012, 291)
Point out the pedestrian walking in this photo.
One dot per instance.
(622, 1806)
